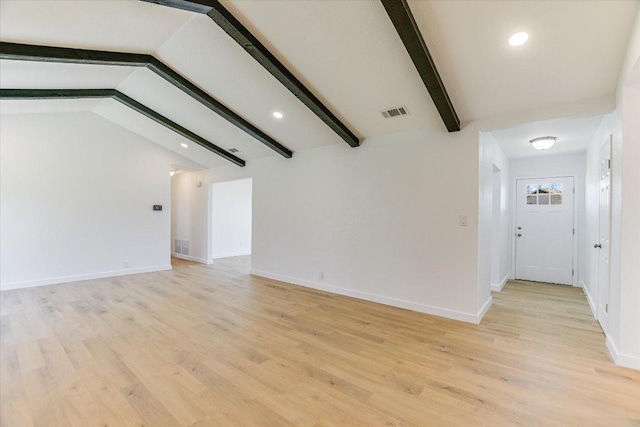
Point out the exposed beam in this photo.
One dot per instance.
(143, 109)
(407, 28)
(221, 16)
(124, 99)
(56, 93)
(198, 6)
(25, 52)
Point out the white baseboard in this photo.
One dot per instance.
(484, 309)
(592, 305)
(230, 254)
(620, 359)
(81, 277)
(191, 258)
(422, 308)
(498, 287)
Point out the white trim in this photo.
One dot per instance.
(592, 305)
(191, 258)
(230, 254)
(498, 287)
(436, 311)
(81, 277)
(620, 359)
(484, 309)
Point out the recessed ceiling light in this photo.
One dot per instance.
(183, 145)
(543, 143)
(518, 39)
(278, 114)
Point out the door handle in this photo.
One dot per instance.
(597, 246)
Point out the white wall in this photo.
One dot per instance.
(190, 210)
(76, 197)
(494, 250)
(572, 164)
(380, 221)
(628, 350)
(231, 218)
(624, 317)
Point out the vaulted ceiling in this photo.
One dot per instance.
(347, 53)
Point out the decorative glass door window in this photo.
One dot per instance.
(544, 194)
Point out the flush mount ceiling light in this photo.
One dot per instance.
(278, 114)
(183, 145)
(518, 39)
(543, 143)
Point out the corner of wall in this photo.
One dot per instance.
(497, 287)
(621, 359)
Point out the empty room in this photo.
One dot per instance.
(319, 213)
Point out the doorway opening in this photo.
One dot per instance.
(549, 196)
(230, 218)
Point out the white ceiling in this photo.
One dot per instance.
(574, 134)
(346, 52)
(124, 116)
(49, 75)
(574, 52)
(349, 53)
(154, 92)
(47, 106)
(123, 25)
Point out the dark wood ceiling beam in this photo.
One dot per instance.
(35, 94)
(407, 28)
(25, 52)
(197, 6)
(225, 20)
(56, 93)
(143, 109)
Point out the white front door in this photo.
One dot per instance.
(544, 230)
(605, 231)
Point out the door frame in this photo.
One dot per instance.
(209, 228)
(514, 219)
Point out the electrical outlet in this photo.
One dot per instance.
(321, 275)
(125, 264)
(462, 220)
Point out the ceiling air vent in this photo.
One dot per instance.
(395, 112)
(233, 150)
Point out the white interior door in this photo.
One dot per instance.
(544, 230)
(605, 231)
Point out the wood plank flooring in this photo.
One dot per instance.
(213, 346)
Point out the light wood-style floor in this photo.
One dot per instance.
(210, 345)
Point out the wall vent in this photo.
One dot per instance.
(395, 112)
(233, 150)
(181, 247)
